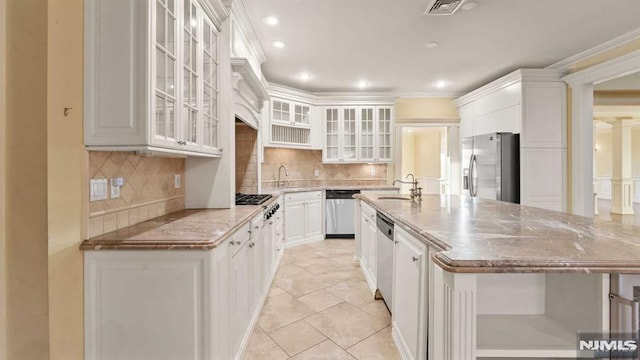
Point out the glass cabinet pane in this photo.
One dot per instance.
(366, 134)
(160, 24)
(160, 70)
(160, 124)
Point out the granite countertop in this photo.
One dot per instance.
(331, 187)
(193, 229)
(476, 235)
(183, 230)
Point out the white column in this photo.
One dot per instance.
(622, 182)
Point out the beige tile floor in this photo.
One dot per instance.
(320, 307)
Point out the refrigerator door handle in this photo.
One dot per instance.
(472, 186)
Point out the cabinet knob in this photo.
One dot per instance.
(415, 259)
(253, 244)
(257, 227)
(396, 242)
(232, 243)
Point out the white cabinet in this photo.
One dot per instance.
(177, 304)
(291, 123)
(531, 103)
(410, 301)
(151, 79)
(368, 245)
(304, 217)
(290, 113)
(358, 134)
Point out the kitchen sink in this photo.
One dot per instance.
(393, 198)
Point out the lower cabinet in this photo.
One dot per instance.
(368, 245)
(304, 223)
(410, 295)
(178, 304)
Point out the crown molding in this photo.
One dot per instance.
(240, 15)
(520, 75)
(620, 66)
(242, 72)
(567, 63)
(217, 11)
(351, 98)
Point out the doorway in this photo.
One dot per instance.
(430, 153)
(616, 151)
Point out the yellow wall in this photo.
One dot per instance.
(606, 56)
(66, 178)
(3, 345)
(26, 180)
(427, 153)
(425, 108)
(408, 152)
(604, 155)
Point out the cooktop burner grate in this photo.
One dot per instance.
(251, 199)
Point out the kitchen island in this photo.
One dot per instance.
(499, 280)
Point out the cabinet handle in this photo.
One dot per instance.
(270, 222)
(253, 244)
(232, 243)
(396, 242)
(415, 259)
(257, 227)
(249, 231)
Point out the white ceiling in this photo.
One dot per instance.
(628, 82)
(340, 42)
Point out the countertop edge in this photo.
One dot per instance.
(504, 266)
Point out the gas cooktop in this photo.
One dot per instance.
(251, 199)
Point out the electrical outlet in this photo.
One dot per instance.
(116, 183)
(316, 173)
(373, 171)
(176, 181)
(97, 189)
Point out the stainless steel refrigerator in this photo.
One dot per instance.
(491, 166)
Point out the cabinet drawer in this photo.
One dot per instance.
(303, 196)
(240, 237)
(367, 210)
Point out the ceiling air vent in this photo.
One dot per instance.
(443, 7)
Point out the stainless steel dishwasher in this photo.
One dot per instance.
(385, 258)
(341, 214)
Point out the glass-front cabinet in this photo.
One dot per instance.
(151, 76)
(358, 134)
(290, 113)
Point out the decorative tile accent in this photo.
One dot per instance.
(301, 165)
(148, 190)
(246, 159)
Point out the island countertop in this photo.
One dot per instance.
(478, 236)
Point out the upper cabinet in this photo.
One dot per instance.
(532, 103)
(358, 134)
(151, 76)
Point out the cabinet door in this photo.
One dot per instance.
(241, 292)
(384, 130)
(295, 221)
(313, 218)
(372, 253)
(191, 73)
(209, 86)
(349, 134)
(255, 249)
(331, 151)
(164, 125)
(409, 300)
(281, 112)
(267, 251)
(367, 130)
(365, 238)
(301, 115)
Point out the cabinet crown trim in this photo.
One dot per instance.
(242, 67)
(521, 75)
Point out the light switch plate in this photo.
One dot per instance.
(373, 171)
(97, 189)
(316, 173)
(176, 181)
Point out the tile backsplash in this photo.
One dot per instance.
(246, 159)
(148, 189)
(301, 165)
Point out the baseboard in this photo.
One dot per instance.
(310, 240)
(256, 315)
(402, 346)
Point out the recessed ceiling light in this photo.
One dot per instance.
(278, 44)
(440, 84)
(271, 20)
(304, 77)
(362, 84)
(431, 45)
(468, 5)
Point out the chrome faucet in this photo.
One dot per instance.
(415, 191)
(286, 173)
